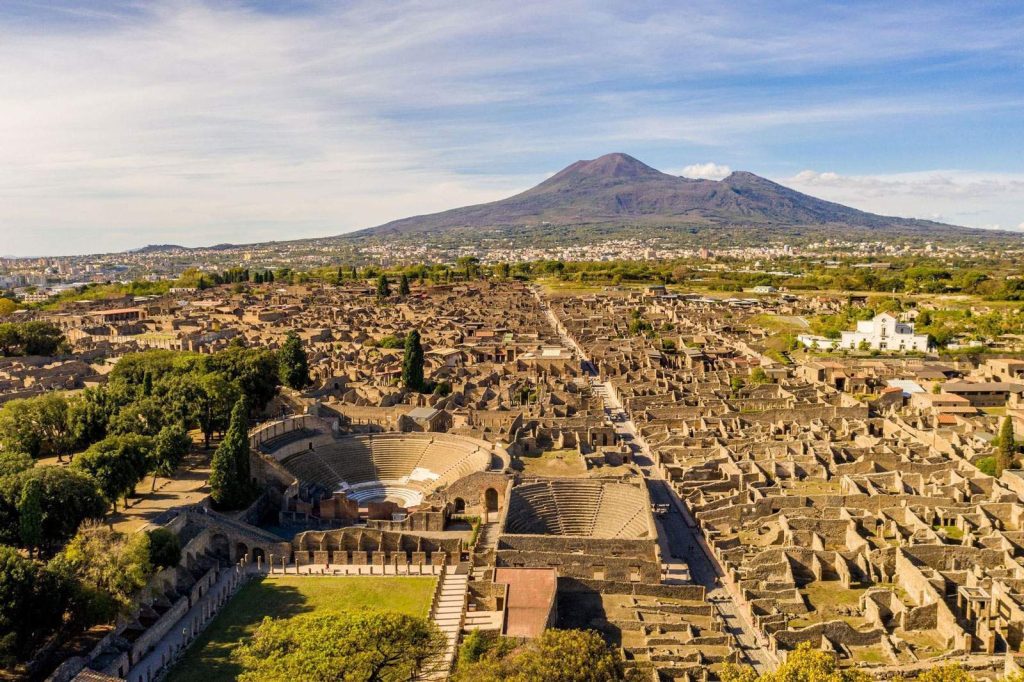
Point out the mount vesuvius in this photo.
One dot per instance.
(616, 191)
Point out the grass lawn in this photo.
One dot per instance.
(209, 658)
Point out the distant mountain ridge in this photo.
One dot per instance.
(619, 189)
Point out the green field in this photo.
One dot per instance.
(209, 659)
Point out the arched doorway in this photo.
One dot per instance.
(220, 547)
(460, 505)
(241, 550)
(491, 500)
(259, 556)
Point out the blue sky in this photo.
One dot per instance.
(203, 121)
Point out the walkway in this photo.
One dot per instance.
(171, 647)
(448, 613)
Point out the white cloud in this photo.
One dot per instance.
(706, 171)
(974, 199)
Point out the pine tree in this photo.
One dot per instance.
(292, 364)
(230, 480)
(1006, 447)
(383, 287)
(30, 515)
(412, 364)
(403, 285)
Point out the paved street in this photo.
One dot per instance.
(679, 541)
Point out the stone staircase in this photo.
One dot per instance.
(484, 550)
(448, 612)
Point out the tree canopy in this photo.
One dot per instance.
(293, 366)
(556, 656)
(109, 568)
(30, 338)
(803, 664)
(33, 599)
(117, 463)
(355, 647)
(68, 497)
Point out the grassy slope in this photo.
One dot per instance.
(209, 659)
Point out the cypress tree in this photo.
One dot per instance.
(403, 285)
(292, 364)
(30, 515)
(412, 364)
(230, 480)
(1007, 445)
(383, 287)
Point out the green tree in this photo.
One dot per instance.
(556, 656)
(169, 449)
(68, 498)
(469, 265)
(30, 338)
(164, 547)
(355, 647)
(403, 285)
(14, 462)
(88, 417)
(144, 416)
(32, 605)
(1006, 448)
(117, 463)
(230, 480)
(412, 363)
(110, 567)
(383, 287)
(254, 371)
(17, 430)
(293, 366)
(759, 376)
(945, 673)
(204, 399)
(803, 664)
(30, 515)
(37, 426)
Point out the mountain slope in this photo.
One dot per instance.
(617, 189)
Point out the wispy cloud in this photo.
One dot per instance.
(994, 200)
(218, 120)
